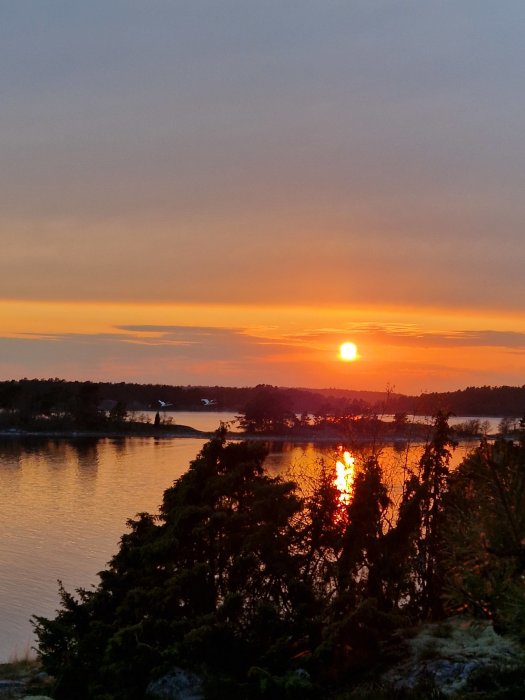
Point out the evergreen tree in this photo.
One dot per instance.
(214, 583)
(434, 474)
(242, 581)
(268, 411)
(486, 536)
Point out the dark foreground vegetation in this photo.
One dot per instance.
(265, 588)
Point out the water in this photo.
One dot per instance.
(200, 420)
(210, 420)
(64, 507)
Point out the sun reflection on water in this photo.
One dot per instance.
(344, 481)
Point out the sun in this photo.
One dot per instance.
(348, 352)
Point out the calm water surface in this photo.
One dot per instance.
(64, 506)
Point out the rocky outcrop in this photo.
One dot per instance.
(449, 654)
(10, 688)
(24, 681)
(177, 685)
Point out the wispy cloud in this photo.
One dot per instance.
(186, 352)
(412, 336)
(175, 330)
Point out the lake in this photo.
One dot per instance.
(65, 504)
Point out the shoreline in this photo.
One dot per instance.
(187, 432)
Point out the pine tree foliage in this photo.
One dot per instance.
(486, 536)
(212, 583)
(250, 585)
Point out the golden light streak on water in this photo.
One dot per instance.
(344, 480)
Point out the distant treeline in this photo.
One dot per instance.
(472, 401)
(32, 397)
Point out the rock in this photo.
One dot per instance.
(11, 688)
(10, 683)
(36, 697)
(448, 653)
(302, 673)
(42, 677)
(177, 685)
(22, 680)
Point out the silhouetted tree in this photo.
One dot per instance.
(84, 407)
(242, 580)
(269, 411)
(118, 414)
(486, 536)
(212, 584)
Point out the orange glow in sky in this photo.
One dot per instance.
(413, 350)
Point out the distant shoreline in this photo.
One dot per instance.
(187, 432)
(180, 431)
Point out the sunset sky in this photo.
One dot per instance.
(224, 191)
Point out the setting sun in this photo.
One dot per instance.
(348, 352)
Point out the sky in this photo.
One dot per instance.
(223, 191)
